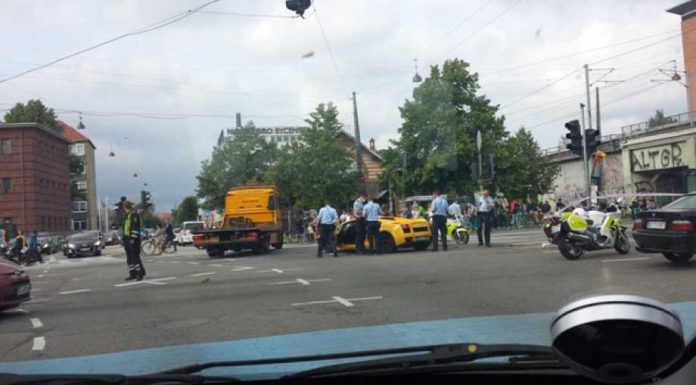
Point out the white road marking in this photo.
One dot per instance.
(626, 259)
(193, 263)
(35, 290)
(343, 301)
(52, 258)
(229, 259)
(551, 251)
(39, 343)
(175, 261)
(41, 275)
(36, 323)
(45, 271)
(347, 302)
(241, 268)
(154, 281)
(279, 271)
(74, 291)
(202, 274)
(18, 310)
(304, 282)
(215, 265)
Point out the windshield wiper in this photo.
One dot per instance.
(439, 358)
(430, 354)
(110, 379)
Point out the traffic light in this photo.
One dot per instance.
(298, 6)
(593, 141)
(145, 199)
(575, 136)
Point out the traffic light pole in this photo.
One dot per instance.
(585, 166)
(587, 92)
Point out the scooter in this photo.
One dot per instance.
(576, 231)
(457, 229)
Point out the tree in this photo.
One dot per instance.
(659, 119)
(187, 210)
(522, 169)
(33, 112)
(438, 133)
(319, 167)
(242, 158)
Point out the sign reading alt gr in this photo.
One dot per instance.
(657, 157)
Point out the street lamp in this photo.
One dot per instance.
(389, 188)
(416, 78)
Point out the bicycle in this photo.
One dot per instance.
(157, 246)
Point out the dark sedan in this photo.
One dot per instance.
(84, 244)
(669, 231)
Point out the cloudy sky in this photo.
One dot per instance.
(529, 55)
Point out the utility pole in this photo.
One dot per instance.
(480, 161)
(358, 145)
(589, 105)
(599, 120)
(584, 152)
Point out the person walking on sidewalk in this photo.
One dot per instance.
(485, 206)
(371, 212)
(439, 218)
(327, 219)
(131, 242)
(360, 223)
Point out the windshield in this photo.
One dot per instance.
(292, 177)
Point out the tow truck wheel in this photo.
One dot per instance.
(261, 248)
(215, 252)
(279, 245)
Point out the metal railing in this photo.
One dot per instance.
(665, 122)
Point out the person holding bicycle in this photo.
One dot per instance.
(168, 237)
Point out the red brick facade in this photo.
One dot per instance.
(37, 166)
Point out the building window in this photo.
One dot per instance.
(78, 149)
(6, 186)
(81, 185)
(79, 206)
(79, 225)
(5, 146)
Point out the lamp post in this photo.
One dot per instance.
(389, 187)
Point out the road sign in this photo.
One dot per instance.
(478, 140)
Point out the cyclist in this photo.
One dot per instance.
(16, 251)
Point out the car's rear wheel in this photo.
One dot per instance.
(678, 257)
(386, 242)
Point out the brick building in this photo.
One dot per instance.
(34, 178)
(687, 11)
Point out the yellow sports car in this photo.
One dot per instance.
(394, 233)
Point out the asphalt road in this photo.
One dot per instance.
(83, 306)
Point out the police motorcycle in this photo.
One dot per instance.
(457, 229)
(576, 230)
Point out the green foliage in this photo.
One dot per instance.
(242, 158)
(438, 133)
(521, 169)
(187, 210)
(33, 112)
(319, 167)
(659, 119)
(438, 136)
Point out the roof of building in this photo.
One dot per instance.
(73, 135)
(34, 125)
(685, 10)
(363, 147)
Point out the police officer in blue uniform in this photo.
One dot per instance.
(439, 208)
(327, 219)
(371, 212)
(360, 223)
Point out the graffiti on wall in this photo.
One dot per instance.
(657, 157)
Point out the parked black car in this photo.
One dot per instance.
(49, 244)
(84, 244)
(669, 231)
(112, 237)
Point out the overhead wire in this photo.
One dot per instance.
(242, 14)
(149, 28)
(459, 24)
(489, 22)
(328, 48)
